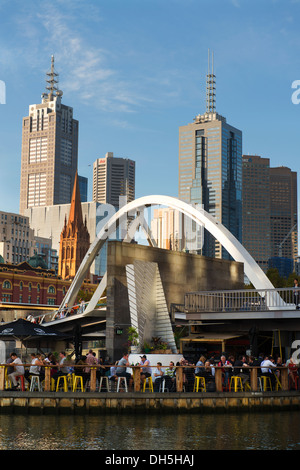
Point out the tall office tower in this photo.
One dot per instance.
(256, 209)
(49, 150)
(283, 212)
(210, 169)
(112, 178)
(270, 214)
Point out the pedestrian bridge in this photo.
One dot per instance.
(239, 304)
(208, 305)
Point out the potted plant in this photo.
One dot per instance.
(146, 347)
(133, 339)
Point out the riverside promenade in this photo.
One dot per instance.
(76, 400)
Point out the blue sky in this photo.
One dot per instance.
(134, 71)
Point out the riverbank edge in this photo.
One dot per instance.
(145, 402)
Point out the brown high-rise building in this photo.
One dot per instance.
(74, 239)
(256, 209)
(270, 214)
(113, 178)
(49, 150)
(283, 209)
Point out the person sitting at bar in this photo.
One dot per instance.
(266, 369)
(18, 369)
(158, 376)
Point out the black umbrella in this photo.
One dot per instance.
(23, 330)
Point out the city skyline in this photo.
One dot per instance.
(135, 73)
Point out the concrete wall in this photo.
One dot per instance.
(180, 273)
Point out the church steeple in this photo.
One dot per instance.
(74, 239)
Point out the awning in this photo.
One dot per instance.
(208, 337)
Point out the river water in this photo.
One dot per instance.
(184, 432)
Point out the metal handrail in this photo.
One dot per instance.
(240, 300)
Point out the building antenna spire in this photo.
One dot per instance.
(210, 87)
(52, 81)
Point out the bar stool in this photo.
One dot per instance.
(266, 383)
(35, 383)
(236, 383)
(62, 378)
(119, 384)
(162, 386)
(148, 381)
(77, 381)
(70, 380)
(21, 377)
(199, 383)
(8, 381)
(106, 379)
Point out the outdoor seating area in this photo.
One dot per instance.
(74, 382)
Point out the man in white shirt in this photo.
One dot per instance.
(266, 369)
(18, 369)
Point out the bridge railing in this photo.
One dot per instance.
(240, 300)
(66, 311)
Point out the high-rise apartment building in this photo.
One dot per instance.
(270, 213)
(210, 169)
(283, 213)
(49, 150)
(112, 178)
(256, 209)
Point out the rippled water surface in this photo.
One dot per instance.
(262, 431)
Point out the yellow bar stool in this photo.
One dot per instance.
(236, 383)
(199, 383)
(148, 384)
(77, 382)
(64, 385)
(266, 383)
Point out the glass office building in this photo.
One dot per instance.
(210, 174)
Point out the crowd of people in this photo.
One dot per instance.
(163, 378)
(230, 365)
(59, 365)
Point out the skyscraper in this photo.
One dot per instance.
(112, 178)
(210, 169)
(283, 213)
(49, 149)
(256, 209)
(270, 232)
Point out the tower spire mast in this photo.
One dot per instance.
(210, 87)
(52, 80)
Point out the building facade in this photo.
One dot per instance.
(284, 213)
(210, 168)
(270, 219)
(112, 178)
(16, 238)
(49, 150)
(25, 284)
(210, 173)
(256, 209)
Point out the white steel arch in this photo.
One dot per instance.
(254, 273)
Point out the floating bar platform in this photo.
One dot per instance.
(145, 402)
